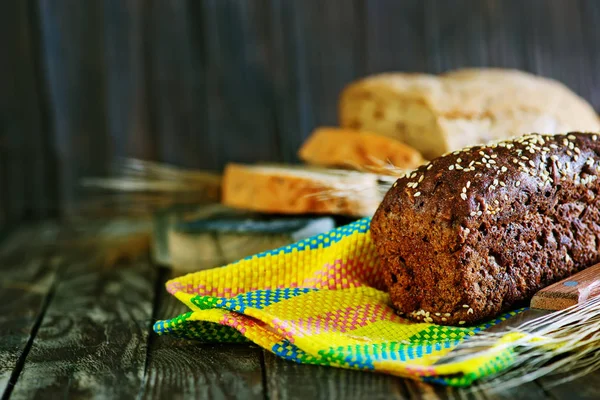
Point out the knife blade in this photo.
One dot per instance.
(569, 292)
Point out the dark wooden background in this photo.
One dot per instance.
(198, 83)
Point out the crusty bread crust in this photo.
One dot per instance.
(480, 231)
(438, 114)
(300, 190)
(349, 148)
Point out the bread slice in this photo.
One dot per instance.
(349, 148)
(286, 189)
(440, 114)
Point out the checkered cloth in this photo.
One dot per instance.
(322, 301)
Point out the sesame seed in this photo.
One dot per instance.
(575, 157)
(495, 181)
(594, 138)
(494, 155)
(468, 184)
(496, 201)
(429, 166)
(479, 213)
(458, 160)
(421, 178)
(413, 175)
(437, 314)
(565, 142)
(503, 169)
(444, 319)
(471, 163)
(464, 190)
(417, 194)
(572, 137)
(473, 213)
(553, 146)
(531, 163)
(461, 322)
(395, 184)
(492, 162)
(569, 153)
(518, 183)
(458, 166)
(554, 157)
(470, 311)
(502, 184)
(447, 314)
(576, 150)
(515, 160)
(463, 196)
(466, 306)
(451, 167)
(532, 151)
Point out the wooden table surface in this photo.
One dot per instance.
(76, 322)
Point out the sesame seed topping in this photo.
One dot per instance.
(413, 175)
(417, 194)
(470, 311)
(503, 169)
(458, 166)
(421, 178)
(461, 322)
(572, 137)
(463, 196)
(554, 157)
(444, 319)
(437, 314)
(451, 167)
(395, 184)
(466, 306)
(502, 184)
(553, 146)
(532, 163)
(518, 183)
(447, 314)
(479, 213)
(576, 150)
(473, 213)
(515, 160)
(594, 138)
(468, 184)
(464, 190)
(492, 162)
(458, 160)
(429, 166)
(495, 181)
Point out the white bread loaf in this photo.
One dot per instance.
(439, 114)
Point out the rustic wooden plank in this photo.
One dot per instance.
(128, 79)
(455, 34)
(289, 380)
(73, 43)
(92, 342)
(395, 36)
(318, 48)
(26, 283)
(177, 65)
(240, 94)
(26, 179)
(179, 368)
(421, 390)
(557, 44)
(586, 387)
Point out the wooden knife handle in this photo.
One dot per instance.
(575, 289)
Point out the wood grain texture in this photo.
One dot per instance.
(26, 282)
(177, 68)
(128, 80)
(288, 380)
(395, 36)
(25, 175)
(182, 369)
(583, 388)
(240, 96)
(92, 340)
(421, 390)
(74, 62)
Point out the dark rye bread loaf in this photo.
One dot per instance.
(479, 231)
